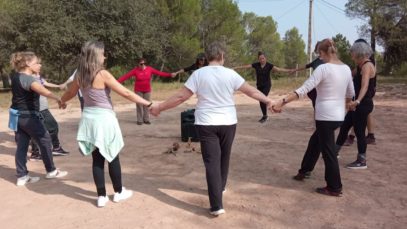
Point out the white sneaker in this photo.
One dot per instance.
(102, 201)
(217, 212)
(125, 194)
(224, 191)
(26, 179)
(56, 174)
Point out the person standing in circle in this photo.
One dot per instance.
(199, 63)
(142, 86)
(263, 79)
(365, 86)
(99, 132)
(25, 118)
(333, 82)
(215, 117)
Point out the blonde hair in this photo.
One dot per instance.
(327, 46)
(19, 60)
(90, 62)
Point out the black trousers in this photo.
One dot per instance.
(265, 90)
(325, 130)
(357, 119)
(216, 146)
(313, 96)
(311, 154)
(98, 169)
(52, 127)
(30, 126)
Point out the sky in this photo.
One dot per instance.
(329, 17)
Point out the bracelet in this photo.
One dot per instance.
(149, 105)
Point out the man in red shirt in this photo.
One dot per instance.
(142, 86)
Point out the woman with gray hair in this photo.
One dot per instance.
(215, 117)
(364, 82)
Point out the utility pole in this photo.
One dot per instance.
(309, 53)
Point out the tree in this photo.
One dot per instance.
(183, 18)
(366, 9)
(262, 35)
(130, 29)
(56, 30)
(387, 24)
(294, 47)
(343, 47)
(222, 22)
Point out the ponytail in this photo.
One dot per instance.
(328, 46)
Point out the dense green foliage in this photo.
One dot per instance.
(387, 24)
(168, 33)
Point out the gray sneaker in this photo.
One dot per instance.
(357, 165)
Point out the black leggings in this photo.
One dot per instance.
(265, 90)
(357, 119)
(98, 167)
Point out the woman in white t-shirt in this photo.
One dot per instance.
(333, 82)
(215, 116)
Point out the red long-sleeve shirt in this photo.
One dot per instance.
(142, 78)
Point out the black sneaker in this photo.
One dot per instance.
(59, 152)
(302, 176)
(357, 165)
(147, 122)
(371, 140)
(35, 157)
(139, 123)
(263, 119)
(327, 191)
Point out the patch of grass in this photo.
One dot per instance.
(391, 80)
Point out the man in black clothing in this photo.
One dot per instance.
(263, 79)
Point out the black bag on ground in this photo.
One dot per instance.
(188, 129)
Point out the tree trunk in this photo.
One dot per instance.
(4, 78)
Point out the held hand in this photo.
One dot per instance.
(63, 87)
(174, 74)
(352, 105)
(61, 105)
(277, 107)
(292, 71)
(155, 109)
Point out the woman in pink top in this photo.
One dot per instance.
(142, 86)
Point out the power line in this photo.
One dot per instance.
(333, 6)
(289, 10)
(327, 20)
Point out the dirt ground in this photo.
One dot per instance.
(170, 191)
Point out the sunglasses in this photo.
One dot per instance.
(142, 63)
